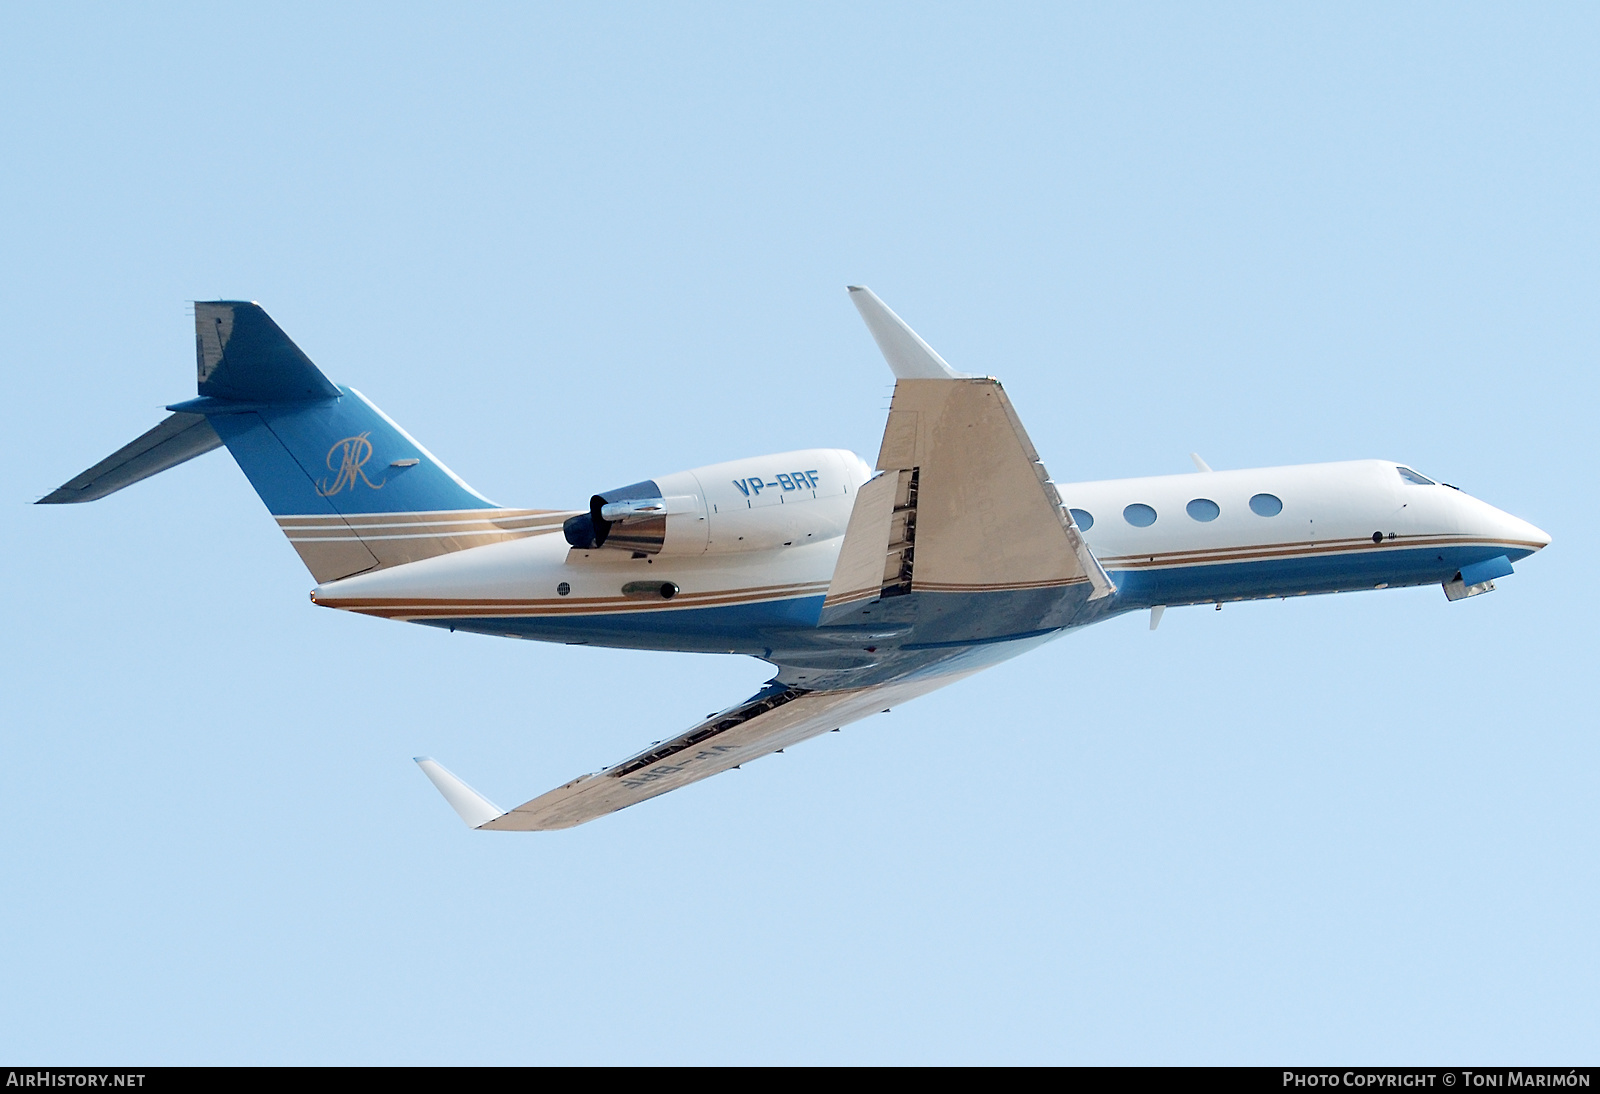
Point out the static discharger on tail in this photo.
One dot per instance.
(863, 585)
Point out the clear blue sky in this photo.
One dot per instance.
(583, 245)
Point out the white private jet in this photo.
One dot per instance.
(865, 586)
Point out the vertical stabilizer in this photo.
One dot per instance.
(350, 488)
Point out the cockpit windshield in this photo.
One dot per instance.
(1412, 477)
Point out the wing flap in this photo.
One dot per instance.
(859, 573)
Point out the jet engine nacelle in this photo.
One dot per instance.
(744, 505)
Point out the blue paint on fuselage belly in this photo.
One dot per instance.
(965, 618)
(890, 666)
(736, 628)
(1332, 573)
(926, 631)
(928, 634)
(941, 622)
(981, 656)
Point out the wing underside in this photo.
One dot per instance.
(774, 718)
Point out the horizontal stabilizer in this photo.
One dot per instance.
(240, 353)
(909, 357)
(181, 437)
(469, 805)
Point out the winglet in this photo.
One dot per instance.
(909, 357)
(470, 805)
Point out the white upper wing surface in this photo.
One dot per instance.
(962, 506)
(963, 502)
(986, 515)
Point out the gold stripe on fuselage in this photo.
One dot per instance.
(405, 608)
(337, 545)
(443, 608)
(1278, 552)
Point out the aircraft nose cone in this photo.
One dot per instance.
(1512, 530)
(1521, 532)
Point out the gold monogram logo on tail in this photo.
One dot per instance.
(346, 459)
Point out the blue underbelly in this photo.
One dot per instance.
(1346, 571)
(737, 628)
(929, 621)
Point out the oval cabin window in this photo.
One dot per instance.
(1203, 509)
(1083, 519)
(1266, 505)
(1140, 516)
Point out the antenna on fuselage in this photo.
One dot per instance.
(1199, 464)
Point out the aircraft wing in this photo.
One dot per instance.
(962, 503)
(772, 719)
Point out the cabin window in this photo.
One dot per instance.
(1266, 505)
(1203, 509)
(1412, 477)
(1083, 519)
(1140, 516)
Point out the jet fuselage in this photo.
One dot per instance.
(1207, 537)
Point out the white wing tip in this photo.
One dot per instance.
(469, 805)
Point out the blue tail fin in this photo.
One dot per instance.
(351, 489)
